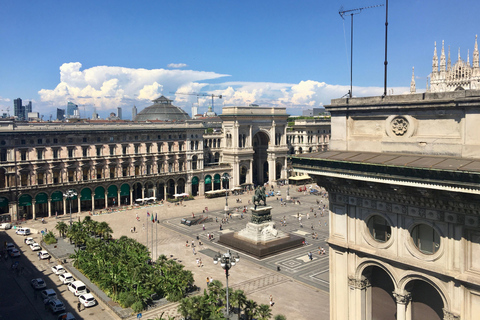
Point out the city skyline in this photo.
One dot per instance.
(113, 54)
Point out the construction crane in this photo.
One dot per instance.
(199, 94)
(352, 12)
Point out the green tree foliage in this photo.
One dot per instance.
(122, 268)
(280, 317)
(264, 312)
(62, 228)
(49, 238)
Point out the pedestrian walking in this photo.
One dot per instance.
(310, 256)
(271, 301)
(193, 250)
(79, 306)
(134, 229)
(208, 281)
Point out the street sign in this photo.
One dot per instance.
(139, 316)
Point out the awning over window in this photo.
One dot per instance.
(125, 190)
(41, 198)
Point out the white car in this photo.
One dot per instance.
(5, 226)
(55, 305)
(14, 253)
(38, 283)
(29, 241)
(48, 294)
(87, 300)
(66, 278)
(58, 270)
(43, 255)
(77, 288)
(35, 247)
(23, 231)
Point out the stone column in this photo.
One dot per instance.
(34, 215)
(131, 196)
(359, 306)
(49, 207)
(93, 202)
(106, 198)
(119, 198)
(403, 299)
(64, 205)
(79, 203)
(143, 192)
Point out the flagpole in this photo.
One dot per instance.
(146, 225)
(153, 258)
(156, 236)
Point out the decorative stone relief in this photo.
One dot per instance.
(402, 298)
(447, 315)
(358, 284)
(399, 126)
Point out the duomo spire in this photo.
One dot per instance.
(412, 83)
(460, 76)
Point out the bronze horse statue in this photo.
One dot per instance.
(259, 196)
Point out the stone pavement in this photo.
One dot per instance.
(300, 288)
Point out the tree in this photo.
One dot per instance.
(280, 317)
(250, 309)
(62, 228)
(238, 298)
(264, 312)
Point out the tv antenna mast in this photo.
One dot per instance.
(353, 12)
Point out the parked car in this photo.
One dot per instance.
(38, 283)
(58, 269)
(66, 316)
(29, 240)
(10, 246)
(66, 278)
(87, 300)
(48, 294)
(77, 288)
(43, 255)
(5, 226)
(14, 253)
(55, 305)
(35, 247)
(23, 231)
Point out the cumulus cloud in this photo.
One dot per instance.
(107, 88)
(177, 65)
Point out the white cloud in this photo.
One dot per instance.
(176, 65)
(107, 88)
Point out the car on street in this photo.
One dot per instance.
(55, 305)
(5, 226)
(38, 283)
(77, 287)
(10, 246)
(23, 231)
(87, 300)
(35, 247)
(29, 240)
(66, 278)
(58, 269)
(14, 253)
(66, 316)
(43, 255)
(48, 294)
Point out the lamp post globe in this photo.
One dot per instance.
(70, 194)
(227, 261)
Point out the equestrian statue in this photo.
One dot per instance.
(259, 196)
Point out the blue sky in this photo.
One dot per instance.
(281, 53)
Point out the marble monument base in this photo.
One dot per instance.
(260, 238)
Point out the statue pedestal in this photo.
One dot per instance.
(259, 237)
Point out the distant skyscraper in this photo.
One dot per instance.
(71, 107)
(119, 113)
(60, 114)
(134, 113)
(18, 110)
(28, 108)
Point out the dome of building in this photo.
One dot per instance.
(162, 109)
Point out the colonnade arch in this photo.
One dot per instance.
(260, 163)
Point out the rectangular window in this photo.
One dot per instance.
(22, 141)
(23, 155)
(99, 151)
(148, 148)
(55, 140)
(112, 150)
(85, 139)
(40, 154)
(39, 141)
(71, 153)
(124, 150)
(55, 153)
(136, 149)
(85, 152)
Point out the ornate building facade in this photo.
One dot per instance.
(403, 176)
(109, 163)
(461, 76)
(308, 135)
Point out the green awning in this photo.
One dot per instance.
(3, 202)
(208, 179)
(25, 200)
(99, 193)
(216, 178)
(41, 198)
(57, 196)
(112, 191)
(194, 180)
(125, 190)
(86, 195)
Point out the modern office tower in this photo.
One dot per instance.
(60, 114)
(134, 113)
(71, 107)
(27, 108)
(119, 113)
(18, 109)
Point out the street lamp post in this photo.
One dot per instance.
(288, 183)
(226, 177)
(70, 194)
(227, 261)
